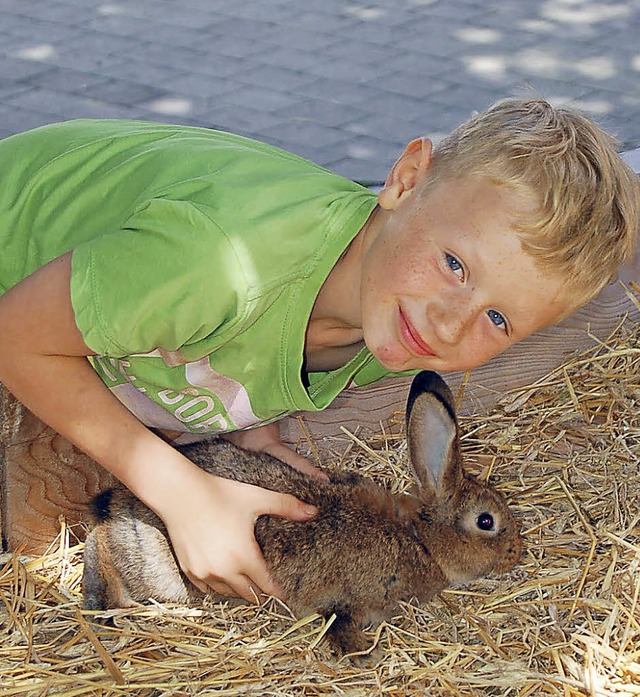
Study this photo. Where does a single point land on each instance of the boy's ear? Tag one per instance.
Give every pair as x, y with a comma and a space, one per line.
406, 174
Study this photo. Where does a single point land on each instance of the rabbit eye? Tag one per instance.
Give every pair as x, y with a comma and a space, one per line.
485, 521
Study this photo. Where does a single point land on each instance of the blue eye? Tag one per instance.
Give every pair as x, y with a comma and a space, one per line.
497, 319
455, 265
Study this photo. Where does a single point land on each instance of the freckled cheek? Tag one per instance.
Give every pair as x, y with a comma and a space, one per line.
392, 357
477, 347
388, 350
416, 275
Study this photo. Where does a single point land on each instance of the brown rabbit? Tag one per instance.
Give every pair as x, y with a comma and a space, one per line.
366, 549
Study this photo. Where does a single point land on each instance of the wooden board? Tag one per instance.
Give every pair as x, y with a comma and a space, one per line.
43, 477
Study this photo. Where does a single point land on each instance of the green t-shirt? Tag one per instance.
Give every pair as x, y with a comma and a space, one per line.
197, 257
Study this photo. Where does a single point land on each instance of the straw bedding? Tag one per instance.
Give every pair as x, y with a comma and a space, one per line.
565, 622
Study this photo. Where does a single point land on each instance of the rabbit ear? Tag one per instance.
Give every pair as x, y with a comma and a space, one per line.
432, 431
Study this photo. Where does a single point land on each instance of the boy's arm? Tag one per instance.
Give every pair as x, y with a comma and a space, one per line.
43, 363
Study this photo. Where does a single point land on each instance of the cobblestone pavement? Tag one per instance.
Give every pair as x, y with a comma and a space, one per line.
343, 82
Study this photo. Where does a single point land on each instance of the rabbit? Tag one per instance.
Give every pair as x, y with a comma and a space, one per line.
365, 551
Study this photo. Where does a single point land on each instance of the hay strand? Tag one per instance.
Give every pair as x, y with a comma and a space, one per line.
565, 622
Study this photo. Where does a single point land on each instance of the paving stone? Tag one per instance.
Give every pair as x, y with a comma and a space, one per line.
140, 71
323, 154
100, 43
288, 57
124, 92
173, 58
387, 129
9, 88
341, 91
13, 119
361, 51
64, 106
144, 30
273, 77
25, 32
175, 107
345, 84
41, 11
252, 95
400, 107
259, 9
67, 80
194, 86
335, 68
163, 11
303, 132
225, 43
68, 57
317, 113
303, 39
252, 122
19, 70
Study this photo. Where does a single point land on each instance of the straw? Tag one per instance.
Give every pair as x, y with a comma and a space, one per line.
565, 621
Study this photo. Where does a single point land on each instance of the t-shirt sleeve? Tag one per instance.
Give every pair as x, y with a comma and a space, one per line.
168, 278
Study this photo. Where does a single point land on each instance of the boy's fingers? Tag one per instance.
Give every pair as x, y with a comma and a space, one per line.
259, 580
267, 439
211, 585
241, 587
287, 506
200, 585
297, 461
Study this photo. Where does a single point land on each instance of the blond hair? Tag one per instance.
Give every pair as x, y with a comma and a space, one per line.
588, 198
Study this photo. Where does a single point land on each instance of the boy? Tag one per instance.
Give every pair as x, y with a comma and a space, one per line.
217, 284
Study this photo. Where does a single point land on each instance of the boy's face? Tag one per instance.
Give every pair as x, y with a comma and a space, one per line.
445, 282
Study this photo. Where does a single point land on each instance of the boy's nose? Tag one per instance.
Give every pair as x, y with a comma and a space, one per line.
451, 323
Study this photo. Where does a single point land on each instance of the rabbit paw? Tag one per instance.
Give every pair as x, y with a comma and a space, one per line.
346, 636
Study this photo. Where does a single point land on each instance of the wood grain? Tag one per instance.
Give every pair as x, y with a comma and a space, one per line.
44, 477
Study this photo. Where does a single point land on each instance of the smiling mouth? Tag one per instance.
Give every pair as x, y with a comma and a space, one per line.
412, 339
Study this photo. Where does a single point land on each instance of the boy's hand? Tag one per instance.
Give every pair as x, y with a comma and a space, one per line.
267, 439
211, 525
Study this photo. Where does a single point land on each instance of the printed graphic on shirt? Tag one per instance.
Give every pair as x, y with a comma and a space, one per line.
189, 397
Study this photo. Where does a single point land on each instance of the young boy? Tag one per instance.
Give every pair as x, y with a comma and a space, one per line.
217, 284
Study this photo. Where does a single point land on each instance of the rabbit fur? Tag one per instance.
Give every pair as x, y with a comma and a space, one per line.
365, 550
